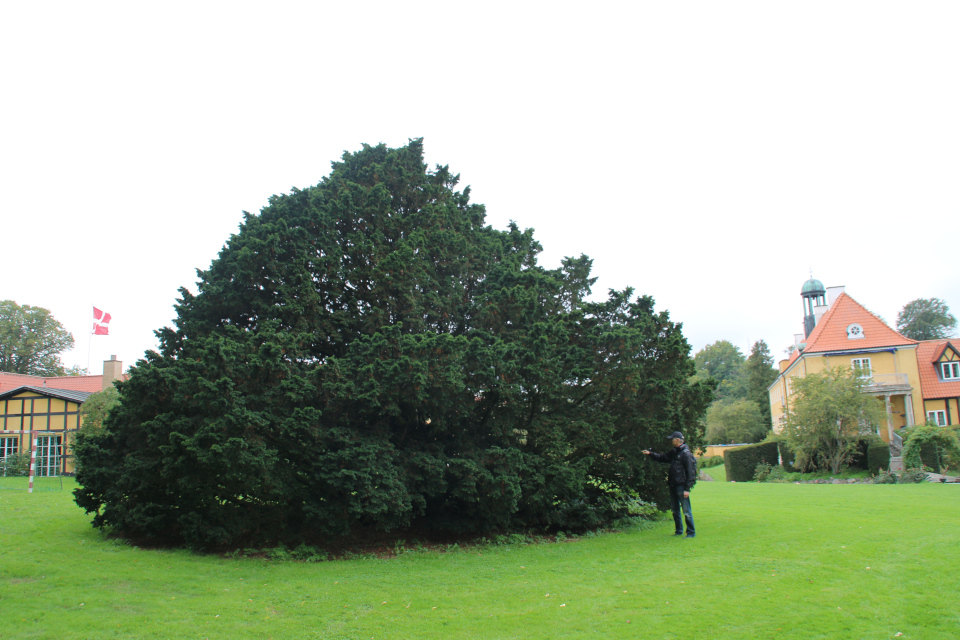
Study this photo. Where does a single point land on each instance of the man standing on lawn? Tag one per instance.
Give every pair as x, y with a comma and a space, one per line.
683, 475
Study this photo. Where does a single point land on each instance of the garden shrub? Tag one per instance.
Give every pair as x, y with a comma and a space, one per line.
931, 446
15, 464
913, 476
710, 461
766, 472
885, 477
742, 462
861, 457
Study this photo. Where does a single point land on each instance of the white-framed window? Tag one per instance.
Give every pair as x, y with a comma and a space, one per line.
950, 370
49, 452
9, 446
938, 417
862, 366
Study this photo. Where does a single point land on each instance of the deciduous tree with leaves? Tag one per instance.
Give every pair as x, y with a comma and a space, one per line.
723, 362
827, 415
369, 353
735, 421
926, 319
31, 340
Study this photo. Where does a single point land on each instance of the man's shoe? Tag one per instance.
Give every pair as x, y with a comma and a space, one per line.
690, 535
678, 533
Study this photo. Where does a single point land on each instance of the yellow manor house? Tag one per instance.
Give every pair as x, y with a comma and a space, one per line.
47, 409
917, 380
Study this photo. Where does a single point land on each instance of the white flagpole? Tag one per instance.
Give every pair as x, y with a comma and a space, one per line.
89, 343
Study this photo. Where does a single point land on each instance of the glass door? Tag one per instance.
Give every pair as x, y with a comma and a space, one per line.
49, 454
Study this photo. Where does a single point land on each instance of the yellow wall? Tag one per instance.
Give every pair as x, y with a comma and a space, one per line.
718, 449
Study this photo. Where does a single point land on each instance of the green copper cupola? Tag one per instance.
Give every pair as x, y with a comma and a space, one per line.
814, 295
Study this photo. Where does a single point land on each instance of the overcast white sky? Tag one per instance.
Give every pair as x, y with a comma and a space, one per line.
709, 154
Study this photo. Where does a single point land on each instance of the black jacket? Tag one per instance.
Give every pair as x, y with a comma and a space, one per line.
683, 466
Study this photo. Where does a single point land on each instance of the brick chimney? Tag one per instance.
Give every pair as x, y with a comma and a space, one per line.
112, 370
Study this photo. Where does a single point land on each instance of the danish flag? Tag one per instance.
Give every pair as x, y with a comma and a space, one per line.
100, 321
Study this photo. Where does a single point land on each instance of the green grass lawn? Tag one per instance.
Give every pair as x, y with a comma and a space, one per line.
718, 473
770, 561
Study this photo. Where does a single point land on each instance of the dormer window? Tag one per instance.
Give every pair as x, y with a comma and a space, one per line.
950, 370
855, 332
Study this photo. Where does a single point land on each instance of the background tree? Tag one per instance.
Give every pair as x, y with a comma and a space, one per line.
93, 412
31, 340
735, 421
367, 352
95, 408
723, 362
741, 382
827, 415
760, 374
926, 319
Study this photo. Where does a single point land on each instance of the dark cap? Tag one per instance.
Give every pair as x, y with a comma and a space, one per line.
675, 434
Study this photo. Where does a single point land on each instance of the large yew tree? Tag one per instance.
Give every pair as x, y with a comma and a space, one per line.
367, 352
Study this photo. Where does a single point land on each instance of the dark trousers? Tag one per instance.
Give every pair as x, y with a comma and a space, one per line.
678, 502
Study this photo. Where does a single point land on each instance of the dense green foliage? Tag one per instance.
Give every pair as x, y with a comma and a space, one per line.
931, 446
735, 421
827, 417
926, 319
94, 409
31, 341
741, 463
15, 464
366, 352
723, 362
741, 410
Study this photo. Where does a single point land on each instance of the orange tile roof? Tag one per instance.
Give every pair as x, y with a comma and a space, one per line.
793, 358
10, 381
931, 386
830, 334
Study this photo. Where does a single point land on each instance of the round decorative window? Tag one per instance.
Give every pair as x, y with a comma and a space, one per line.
855, 332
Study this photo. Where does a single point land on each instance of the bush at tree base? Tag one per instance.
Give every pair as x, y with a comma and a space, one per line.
742, 462
15, 464
366, 352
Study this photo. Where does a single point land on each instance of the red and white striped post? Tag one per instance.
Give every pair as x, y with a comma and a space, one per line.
33, 461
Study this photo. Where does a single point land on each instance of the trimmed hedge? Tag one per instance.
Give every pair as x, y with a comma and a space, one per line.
878, 457
929, 457
861, 458
742, 462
